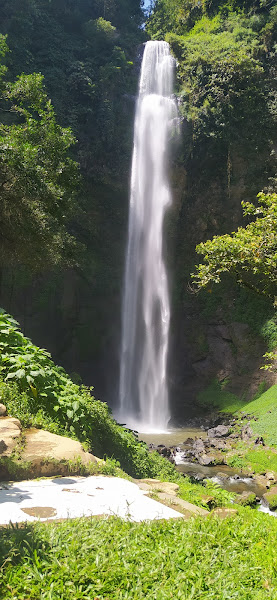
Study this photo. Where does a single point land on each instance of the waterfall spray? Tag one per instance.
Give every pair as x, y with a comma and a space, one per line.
143, 394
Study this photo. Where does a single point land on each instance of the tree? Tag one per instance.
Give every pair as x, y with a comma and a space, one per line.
37, 177
250, 253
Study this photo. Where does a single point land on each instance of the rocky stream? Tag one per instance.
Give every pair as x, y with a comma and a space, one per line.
203, 449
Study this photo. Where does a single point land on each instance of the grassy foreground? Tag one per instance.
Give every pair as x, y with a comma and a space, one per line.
109, 559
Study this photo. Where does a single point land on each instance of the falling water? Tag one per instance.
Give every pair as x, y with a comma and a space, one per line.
146, 309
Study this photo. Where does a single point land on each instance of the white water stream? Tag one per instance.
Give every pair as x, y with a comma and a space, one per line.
143, 394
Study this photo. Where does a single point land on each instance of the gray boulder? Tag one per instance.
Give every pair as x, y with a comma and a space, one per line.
219, 431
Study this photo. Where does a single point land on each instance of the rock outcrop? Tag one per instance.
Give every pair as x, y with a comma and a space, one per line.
10, 433
37, 452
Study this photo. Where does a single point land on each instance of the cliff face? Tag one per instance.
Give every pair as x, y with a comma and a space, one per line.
220, 333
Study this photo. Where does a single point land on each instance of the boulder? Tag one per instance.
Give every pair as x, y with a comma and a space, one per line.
219, 444
219, 431
246, 499
246, 433
270, 498
48, 453
3, 410
206, 459
198, 446
168, 453
260, 440
270, 476
188, 442
10, 432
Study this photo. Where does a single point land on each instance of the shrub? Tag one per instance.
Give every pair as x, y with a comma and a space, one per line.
41, 394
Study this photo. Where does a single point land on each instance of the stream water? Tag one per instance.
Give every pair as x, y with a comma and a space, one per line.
143, 394
229, 478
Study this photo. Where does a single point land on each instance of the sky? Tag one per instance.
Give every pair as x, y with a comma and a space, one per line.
146, 3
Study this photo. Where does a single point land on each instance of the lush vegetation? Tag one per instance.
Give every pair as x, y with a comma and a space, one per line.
249, 253
85, 51
197, 559
226, 56
42, 395
260, 414
37, 177
226, 68
264, 409
216, 397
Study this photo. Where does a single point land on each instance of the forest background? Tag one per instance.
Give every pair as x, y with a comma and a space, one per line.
66, 144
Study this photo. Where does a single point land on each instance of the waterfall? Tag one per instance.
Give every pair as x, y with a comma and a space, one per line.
143, 394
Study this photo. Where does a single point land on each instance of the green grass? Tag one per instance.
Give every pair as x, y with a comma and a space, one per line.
257, 460
89, 559
261, 460
215, 396
264, 408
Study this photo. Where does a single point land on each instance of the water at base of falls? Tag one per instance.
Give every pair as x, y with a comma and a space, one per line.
143, 394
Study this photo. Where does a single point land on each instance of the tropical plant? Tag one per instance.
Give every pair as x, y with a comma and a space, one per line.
250, 253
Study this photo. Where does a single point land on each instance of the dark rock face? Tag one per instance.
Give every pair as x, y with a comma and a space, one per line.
260, 440
168, 453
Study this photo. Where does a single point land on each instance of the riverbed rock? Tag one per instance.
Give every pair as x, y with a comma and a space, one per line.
206, 459
198, 446
3, 410
246, 433
219, 431
270, 498
246, 499
188, 442
271, 477
10, 432
219, 444
222, 475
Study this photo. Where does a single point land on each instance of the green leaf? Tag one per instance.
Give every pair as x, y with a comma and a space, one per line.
20, 373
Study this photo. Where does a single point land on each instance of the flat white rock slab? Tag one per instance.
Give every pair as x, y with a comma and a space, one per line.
71, 497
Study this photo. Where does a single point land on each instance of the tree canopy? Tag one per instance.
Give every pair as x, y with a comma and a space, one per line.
226, 53
85, 50
37, 176
250, 253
